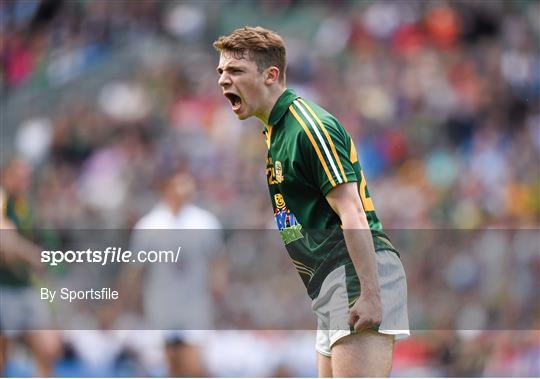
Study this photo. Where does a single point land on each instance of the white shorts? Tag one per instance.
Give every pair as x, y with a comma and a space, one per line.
332, 305
22, 310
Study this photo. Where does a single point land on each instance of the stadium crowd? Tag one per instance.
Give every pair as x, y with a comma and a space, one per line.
441, 98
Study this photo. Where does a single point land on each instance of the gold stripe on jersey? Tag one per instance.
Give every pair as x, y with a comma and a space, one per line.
268, 135
302, 265
301, 271
332, 146
321, 140
366, 200
353, 155
315, 146
351, 303
384, 239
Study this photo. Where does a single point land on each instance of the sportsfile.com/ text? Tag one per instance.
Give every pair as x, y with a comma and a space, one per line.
109, 255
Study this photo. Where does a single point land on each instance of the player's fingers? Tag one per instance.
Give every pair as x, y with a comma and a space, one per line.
353, 317
361, 324
372, 321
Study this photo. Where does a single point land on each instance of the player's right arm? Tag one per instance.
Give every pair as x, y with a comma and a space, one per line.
131, 274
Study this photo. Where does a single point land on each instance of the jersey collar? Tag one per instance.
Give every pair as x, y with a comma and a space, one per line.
281, 106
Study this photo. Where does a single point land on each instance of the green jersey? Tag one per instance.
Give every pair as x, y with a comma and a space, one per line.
309, 153
18, 211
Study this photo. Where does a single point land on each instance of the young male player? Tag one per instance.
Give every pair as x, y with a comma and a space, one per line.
322, 208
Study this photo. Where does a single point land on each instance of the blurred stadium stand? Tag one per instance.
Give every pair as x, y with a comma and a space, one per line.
446, 94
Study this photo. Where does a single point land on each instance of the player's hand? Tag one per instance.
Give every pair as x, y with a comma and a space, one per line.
366, 313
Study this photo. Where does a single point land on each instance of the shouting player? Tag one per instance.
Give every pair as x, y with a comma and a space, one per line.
323, 210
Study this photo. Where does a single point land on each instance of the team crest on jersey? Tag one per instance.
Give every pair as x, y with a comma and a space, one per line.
288, 225
279, 171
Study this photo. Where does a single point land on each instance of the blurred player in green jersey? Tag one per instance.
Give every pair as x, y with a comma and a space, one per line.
22, 312
323, 210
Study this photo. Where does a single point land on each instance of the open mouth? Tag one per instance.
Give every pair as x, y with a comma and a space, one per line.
235, 100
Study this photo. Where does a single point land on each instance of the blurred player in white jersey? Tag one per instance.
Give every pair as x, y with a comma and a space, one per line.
177, 297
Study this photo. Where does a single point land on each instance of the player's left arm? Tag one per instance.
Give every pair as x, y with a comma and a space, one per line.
345, 201
328, 155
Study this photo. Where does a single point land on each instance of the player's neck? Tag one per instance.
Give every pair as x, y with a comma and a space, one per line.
174, 205
271, 100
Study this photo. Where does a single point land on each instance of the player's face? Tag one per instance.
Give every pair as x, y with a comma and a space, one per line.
18, 176
180, 187
242, 84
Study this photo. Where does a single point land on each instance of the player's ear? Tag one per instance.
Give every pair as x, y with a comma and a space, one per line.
271, 75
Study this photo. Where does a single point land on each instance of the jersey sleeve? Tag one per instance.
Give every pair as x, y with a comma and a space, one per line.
327, 152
